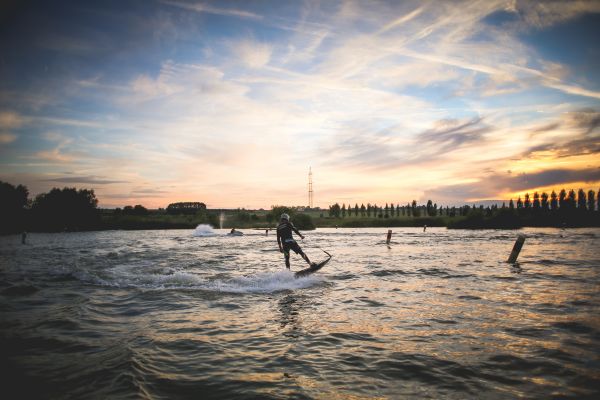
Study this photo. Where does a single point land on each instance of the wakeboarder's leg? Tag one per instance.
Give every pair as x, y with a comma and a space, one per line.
287, 259
305, 257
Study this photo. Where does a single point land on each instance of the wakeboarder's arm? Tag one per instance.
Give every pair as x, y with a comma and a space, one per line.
297, 231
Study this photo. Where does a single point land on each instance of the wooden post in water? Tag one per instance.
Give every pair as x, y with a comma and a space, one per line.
389, 236
516, 249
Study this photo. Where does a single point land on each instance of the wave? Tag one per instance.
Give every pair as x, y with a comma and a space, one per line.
264, 283
145, 277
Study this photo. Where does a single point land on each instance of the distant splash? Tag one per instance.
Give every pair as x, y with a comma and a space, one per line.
203, 230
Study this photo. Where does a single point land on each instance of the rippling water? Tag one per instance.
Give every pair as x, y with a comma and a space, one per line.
200, 314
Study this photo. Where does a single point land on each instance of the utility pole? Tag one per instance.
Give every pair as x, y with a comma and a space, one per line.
310, 188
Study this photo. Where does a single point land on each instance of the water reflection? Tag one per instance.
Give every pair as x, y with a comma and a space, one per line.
289, 308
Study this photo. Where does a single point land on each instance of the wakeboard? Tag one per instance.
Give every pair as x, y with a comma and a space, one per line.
313, 268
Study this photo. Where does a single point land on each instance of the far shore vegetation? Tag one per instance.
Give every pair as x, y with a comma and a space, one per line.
71, 209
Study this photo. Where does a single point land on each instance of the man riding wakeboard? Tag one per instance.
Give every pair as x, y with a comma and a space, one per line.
286, 242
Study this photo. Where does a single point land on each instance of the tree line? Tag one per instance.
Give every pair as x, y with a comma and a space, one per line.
74, 209
57, 210
541, 209
388, 211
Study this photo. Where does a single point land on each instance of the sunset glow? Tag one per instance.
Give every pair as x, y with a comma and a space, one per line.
230, 103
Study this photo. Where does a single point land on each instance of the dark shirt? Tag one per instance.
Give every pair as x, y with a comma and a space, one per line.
284, 231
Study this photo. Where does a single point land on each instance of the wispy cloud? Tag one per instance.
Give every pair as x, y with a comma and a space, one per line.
85, 179
9, 120
252, 53
450, 134
6, 138
536, 14
498, 184
205, 7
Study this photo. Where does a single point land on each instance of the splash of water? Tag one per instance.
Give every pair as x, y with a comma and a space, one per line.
203, 230
268, 282
221, 219
145, 277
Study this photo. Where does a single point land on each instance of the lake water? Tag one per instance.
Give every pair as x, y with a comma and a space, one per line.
200, 314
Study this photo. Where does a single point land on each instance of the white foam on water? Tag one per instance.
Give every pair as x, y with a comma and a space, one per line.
145, 276
264, 283
203, 230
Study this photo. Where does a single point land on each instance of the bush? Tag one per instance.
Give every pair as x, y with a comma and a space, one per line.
304, 222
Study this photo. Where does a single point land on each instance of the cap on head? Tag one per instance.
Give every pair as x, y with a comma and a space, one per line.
285, 216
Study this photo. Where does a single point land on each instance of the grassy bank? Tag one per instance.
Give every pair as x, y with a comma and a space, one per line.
263, 219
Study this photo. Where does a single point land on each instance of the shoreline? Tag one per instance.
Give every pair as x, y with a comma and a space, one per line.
147, 223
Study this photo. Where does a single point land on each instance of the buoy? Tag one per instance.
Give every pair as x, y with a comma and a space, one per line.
516, 249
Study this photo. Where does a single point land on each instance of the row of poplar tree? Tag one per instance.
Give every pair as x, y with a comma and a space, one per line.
564, 200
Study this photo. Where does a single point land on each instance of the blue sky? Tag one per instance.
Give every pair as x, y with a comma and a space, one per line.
230, 103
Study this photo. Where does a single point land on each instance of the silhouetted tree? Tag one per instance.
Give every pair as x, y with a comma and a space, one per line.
562, 196
356, 209
527, 202
13, 201
66, 209
553, 201
511, 205
581, 200
519, 203
571, 199
544, 203
591, 200
344, 210
276, 210
188, 208
335, 210
536, 200
415, 210
139, 209
363, 210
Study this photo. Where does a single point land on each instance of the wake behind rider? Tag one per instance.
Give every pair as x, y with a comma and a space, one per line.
286, 242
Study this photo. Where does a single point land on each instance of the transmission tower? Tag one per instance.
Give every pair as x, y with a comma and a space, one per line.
310, 188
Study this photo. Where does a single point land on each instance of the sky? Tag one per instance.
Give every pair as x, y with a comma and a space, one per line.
231, 102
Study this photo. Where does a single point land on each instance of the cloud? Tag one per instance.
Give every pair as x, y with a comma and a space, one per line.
10, 120
6, 138
495, 184
151, 192
541, 14
400, 21
85, 179
576, 133
588, 120
54, 155
209, 9
251, 53
406, 94
450, 134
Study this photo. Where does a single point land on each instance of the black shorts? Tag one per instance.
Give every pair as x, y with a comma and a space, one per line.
292, 245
